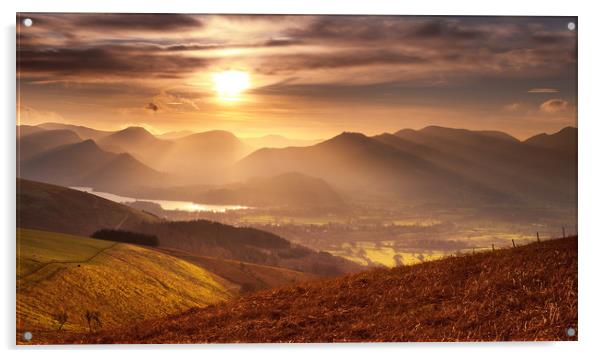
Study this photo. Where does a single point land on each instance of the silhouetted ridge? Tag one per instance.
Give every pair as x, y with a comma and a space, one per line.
40, 141
564, 140
136, 132
346, 138
83, 132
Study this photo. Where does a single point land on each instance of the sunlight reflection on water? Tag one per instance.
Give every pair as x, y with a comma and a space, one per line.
165, 204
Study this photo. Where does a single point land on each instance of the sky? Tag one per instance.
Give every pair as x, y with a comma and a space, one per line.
306, 77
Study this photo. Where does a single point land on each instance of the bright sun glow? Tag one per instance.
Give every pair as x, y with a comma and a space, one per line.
230, 84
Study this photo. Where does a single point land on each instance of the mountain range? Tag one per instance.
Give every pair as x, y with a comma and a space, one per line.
434, 164
86, 164
431, 165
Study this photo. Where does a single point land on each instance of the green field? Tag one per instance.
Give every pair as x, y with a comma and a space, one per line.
125, 283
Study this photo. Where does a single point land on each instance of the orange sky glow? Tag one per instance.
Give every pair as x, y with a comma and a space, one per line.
305, 77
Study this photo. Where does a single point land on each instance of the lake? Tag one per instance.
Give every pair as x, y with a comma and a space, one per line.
165, 204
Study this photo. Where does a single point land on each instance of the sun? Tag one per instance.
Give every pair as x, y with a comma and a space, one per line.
230, 84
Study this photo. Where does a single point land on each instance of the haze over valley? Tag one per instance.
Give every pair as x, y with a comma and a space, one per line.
188, 178
388, 199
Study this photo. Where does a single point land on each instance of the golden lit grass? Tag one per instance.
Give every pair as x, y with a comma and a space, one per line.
37, 248
125, 283
366, 253
527, 293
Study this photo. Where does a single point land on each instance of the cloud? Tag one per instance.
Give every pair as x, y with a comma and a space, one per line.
511, 107
174, 101
282, 41
340, 59
386, 28
443, 29
153, 107
107, 62
152, 22
66, 23
543, 90
126, 46
554, 105
549, 38
273, 42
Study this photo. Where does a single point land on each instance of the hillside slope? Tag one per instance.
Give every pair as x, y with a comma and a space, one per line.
288, 189
24, 130
86, 164
208, 238
563, 141
203, 155
54, 208
245, 277
125, 283
138, 142
83, 132
527, 293
528, 172
362, 165
43, 140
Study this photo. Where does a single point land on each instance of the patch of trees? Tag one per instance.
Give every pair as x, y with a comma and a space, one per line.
126, 236
217, 234
294, 253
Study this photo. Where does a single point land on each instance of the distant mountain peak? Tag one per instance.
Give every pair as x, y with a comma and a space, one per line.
88, 143
440, 129
137, 131
219, 132
568, 129
564, 140
348, 137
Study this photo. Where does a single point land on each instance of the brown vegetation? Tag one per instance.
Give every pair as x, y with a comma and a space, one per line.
526, 293
246, 277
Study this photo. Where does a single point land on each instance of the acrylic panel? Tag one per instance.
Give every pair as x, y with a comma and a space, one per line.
197, 178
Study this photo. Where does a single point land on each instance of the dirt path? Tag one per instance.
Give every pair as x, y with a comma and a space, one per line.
122, 221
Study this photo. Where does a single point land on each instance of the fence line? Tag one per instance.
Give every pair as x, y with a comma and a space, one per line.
515, 245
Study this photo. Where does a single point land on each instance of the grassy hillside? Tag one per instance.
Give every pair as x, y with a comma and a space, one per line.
246, 277
125, 283
527, 293
54, 208
208, 238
